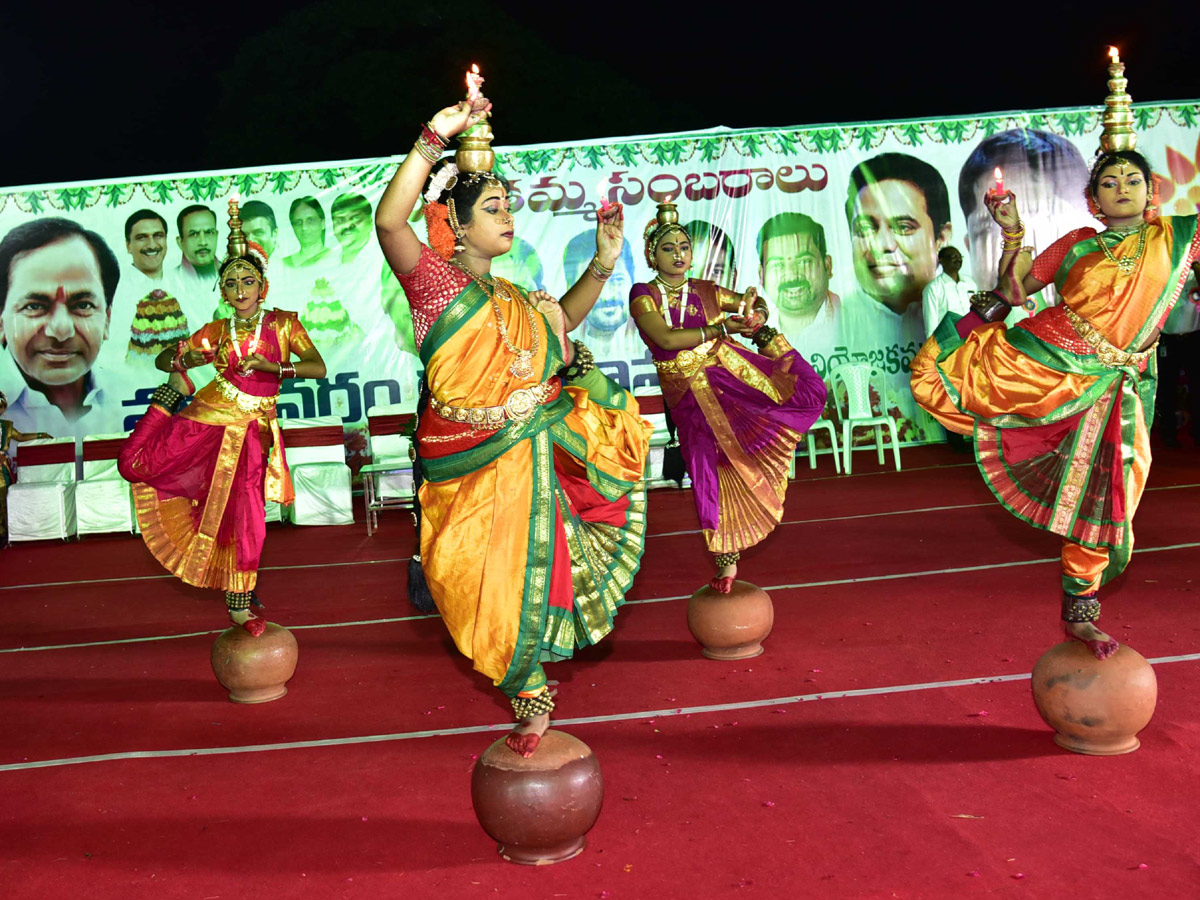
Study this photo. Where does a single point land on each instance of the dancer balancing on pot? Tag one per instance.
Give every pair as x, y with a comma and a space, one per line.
201, 476
739, 413
1061, 404
533, 500
9, 434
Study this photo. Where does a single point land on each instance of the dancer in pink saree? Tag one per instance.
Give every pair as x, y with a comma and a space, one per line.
201, 476
739, 413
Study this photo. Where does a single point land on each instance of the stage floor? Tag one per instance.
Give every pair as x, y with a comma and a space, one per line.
885, 745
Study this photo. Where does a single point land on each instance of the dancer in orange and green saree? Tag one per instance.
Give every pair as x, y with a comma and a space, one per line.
532, 507
1061, 404
201, 476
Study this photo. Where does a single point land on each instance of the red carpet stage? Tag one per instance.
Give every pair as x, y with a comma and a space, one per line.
885, 745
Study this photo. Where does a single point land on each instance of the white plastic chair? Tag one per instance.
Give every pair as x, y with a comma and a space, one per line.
316, 455
824, 425
858, 379
388, 479
103, 499
41, 505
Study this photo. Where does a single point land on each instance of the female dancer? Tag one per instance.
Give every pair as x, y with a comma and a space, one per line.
1061, 405
533, 505
7, 473
201, 476
739, 413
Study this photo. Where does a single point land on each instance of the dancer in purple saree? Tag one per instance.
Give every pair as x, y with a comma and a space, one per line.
739, 413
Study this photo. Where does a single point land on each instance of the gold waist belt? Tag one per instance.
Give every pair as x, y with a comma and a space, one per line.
688, 362
519, 407
1108, 353
248, 403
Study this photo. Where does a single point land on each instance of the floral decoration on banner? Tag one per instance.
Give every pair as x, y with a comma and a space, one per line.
1178, 195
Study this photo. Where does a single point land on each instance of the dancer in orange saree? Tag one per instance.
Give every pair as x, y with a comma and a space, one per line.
201, 476
533, 501
1061, 404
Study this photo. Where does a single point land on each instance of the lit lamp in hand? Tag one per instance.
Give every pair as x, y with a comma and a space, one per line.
474, 152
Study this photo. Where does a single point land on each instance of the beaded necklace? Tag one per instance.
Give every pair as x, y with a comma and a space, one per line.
522, 366
235, 323
1126, 264
673, 292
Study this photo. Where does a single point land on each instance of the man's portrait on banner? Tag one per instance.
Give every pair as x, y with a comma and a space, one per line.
795, 268
58, 282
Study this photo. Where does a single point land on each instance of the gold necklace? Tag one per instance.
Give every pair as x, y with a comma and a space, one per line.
671, 292
1126, 264
522, 366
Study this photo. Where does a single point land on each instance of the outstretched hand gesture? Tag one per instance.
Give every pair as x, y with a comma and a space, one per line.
610, 234
1003, 208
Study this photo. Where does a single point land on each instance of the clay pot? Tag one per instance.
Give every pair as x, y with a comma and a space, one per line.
538, 810
1095, 706
733, 625
254, 669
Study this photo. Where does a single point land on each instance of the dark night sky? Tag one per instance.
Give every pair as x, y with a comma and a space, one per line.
155, 89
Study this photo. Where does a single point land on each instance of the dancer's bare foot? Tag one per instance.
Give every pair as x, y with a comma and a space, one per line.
723, 580
256, 625
526, 736
181, 383
1101, 644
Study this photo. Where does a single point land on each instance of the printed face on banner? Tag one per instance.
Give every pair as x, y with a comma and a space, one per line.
352, 226
611, 310
198, 239
795, 274
309, 227
55, 317
262, 232
1045, 172
147, 246
895, 242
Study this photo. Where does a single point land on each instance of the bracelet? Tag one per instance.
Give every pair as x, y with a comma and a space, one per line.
763, 335
286, 370
597, 271
990, 306
428, 133
601, 267
430, 144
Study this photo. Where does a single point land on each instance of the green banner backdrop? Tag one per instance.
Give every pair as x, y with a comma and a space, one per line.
844, 270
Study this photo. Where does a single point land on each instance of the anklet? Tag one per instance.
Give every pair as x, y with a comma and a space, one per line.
528, 707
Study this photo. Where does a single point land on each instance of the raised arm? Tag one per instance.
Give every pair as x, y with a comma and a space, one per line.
400, 243
1014, 282
577, 302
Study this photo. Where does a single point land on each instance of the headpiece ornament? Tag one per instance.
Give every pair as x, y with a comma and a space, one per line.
1117, 135
241, 252
665, 222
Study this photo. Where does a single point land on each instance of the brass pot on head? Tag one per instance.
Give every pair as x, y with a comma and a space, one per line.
474, 153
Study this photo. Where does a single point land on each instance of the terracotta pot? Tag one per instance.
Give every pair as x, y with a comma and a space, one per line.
538, 810
254, 669
733, 625
1095, 706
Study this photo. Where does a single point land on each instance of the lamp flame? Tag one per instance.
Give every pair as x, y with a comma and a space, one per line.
1114, 54
998, 174
474, 80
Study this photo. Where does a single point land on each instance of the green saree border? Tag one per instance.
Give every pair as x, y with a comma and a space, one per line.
523, 673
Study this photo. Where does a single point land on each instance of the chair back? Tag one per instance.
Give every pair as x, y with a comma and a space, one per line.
858, 379
100, 453
318, 439
385, 425
51, 460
